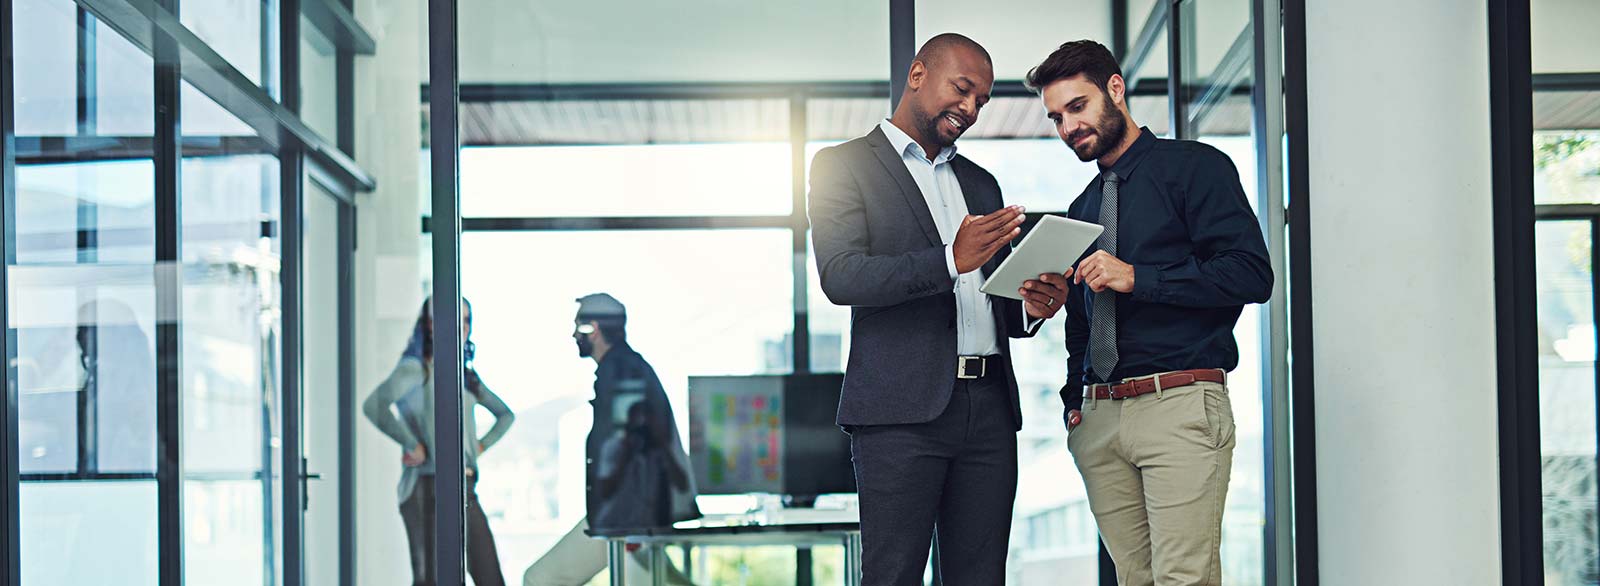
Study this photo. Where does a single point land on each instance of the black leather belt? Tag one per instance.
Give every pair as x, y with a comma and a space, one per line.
975, 367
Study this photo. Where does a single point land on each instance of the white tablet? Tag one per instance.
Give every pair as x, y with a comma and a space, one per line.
1051, 247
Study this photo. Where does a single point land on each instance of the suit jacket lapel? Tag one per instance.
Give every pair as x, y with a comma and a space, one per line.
896, 166
979, 201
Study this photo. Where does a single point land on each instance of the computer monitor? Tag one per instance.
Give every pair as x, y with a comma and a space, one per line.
769, 434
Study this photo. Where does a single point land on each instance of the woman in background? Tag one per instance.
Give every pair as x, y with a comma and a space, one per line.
409, 390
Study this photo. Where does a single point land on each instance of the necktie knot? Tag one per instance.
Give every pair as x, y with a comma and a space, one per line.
1111, 177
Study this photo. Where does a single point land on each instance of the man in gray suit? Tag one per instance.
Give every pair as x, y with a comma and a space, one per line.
906, 231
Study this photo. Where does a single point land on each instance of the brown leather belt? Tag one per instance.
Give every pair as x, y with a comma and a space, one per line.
1147, 385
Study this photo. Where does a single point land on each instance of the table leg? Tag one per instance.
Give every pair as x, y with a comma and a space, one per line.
658, 565
617, 561
852, 559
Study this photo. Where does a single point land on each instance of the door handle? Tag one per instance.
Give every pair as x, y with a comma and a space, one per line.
305, 495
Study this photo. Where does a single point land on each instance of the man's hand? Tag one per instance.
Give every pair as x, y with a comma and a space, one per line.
1043, 297
982, 236
1073, 417
415, 457
1103, 271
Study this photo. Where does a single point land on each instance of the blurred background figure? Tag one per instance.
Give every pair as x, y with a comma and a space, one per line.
409, 391
638, 471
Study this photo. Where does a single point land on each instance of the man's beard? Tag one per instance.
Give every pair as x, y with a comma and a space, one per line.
1109, 132
931, 130
585, 347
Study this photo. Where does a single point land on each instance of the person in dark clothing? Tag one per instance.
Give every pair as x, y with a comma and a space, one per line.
638, 473
907, 233
1150, 324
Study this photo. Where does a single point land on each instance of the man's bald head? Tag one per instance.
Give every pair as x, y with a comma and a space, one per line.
948, 83
934, 52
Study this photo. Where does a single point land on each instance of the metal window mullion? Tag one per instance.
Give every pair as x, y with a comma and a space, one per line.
87, 74
1594, 308
10, 533
798, 229
88, 238
267, 54
345, 95
1267, 95
291, 272
1516, 295
1177, 110
1302, 413
169, 303
446, 453
347, 394
902, 46
1119, 29
292, 391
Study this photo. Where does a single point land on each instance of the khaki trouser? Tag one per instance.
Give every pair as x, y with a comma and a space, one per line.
1156, 468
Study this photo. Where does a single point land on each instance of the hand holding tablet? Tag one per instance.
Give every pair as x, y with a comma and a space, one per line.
1053, 245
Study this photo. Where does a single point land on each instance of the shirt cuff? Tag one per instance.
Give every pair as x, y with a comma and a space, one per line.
1146, 283
1031, 324
950, 261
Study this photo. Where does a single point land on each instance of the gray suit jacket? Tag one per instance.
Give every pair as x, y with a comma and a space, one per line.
879, 252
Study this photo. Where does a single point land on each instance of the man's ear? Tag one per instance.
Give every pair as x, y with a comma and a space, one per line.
1117, 88
918, 74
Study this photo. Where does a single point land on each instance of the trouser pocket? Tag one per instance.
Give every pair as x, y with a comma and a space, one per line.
1218, 412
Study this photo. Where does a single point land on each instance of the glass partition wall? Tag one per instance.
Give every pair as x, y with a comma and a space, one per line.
224, 221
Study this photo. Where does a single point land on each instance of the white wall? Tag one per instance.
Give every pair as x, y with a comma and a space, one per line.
1564, 39
389, 267
1407, 463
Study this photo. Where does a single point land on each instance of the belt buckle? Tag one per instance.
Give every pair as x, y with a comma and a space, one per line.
961, 367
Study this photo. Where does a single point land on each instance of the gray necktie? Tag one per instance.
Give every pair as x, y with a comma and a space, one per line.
1103, 324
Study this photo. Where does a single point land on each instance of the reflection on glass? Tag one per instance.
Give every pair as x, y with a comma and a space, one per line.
636, 470
1567, 422
82, 297
231, 359
86, 371
700, 321
118, 360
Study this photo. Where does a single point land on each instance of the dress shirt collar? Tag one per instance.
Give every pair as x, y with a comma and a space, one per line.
1135, 153
902, 143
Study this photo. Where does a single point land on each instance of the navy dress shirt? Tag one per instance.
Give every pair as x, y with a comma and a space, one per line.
1198, 257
